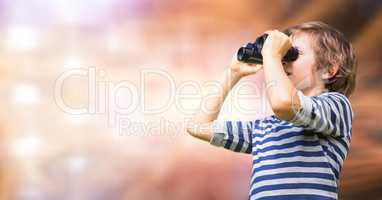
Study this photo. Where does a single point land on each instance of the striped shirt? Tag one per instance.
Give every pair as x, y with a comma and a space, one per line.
297, 159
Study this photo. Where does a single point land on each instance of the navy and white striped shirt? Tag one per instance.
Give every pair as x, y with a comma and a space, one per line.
299, 159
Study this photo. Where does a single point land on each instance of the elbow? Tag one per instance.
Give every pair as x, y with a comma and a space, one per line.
283, 108
191, 130
199, 130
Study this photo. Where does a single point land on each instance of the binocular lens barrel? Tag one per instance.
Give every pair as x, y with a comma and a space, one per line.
248, 55
244, 53
251, 53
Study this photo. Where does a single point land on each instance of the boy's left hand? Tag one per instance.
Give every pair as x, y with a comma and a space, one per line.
276, 45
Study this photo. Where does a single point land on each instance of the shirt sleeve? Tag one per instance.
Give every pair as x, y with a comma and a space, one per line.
232, 135
329, 113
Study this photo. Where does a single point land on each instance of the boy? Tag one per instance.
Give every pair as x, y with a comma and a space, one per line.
299, 151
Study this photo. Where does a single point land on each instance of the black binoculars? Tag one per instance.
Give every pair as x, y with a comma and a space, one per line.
251, 53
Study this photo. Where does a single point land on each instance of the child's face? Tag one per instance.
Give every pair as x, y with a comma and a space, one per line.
303, 71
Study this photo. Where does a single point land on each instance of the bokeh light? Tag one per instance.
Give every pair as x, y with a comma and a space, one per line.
79, 140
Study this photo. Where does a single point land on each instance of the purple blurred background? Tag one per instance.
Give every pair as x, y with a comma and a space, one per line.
95, 95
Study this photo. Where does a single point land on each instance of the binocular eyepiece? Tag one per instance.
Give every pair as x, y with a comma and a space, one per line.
251, 53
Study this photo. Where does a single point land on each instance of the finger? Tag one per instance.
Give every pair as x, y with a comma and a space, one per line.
251, 69
234, 58
269, 32
281, 34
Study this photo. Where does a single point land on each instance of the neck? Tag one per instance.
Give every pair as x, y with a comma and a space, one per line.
315, 90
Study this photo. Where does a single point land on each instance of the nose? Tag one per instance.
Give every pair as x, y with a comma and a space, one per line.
287, 66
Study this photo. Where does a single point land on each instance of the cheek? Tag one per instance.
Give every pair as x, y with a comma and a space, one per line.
303, 66
303, 76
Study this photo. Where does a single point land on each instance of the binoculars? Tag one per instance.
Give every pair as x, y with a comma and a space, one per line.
251, 53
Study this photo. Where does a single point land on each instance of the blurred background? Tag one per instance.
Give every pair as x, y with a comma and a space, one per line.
95, 94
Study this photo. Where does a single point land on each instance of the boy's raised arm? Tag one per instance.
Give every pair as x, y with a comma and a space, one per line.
281, 92
201, 123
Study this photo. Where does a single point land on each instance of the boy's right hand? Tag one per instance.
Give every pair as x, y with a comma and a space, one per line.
242, 69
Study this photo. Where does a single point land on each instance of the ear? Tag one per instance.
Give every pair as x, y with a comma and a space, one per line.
330, 72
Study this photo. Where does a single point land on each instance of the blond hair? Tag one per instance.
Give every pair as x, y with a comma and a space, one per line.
331, 49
